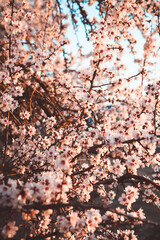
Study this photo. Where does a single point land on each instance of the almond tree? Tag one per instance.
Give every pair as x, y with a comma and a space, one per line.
77, 142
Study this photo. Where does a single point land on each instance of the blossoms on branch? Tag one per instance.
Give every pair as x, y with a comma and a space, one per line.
78, 137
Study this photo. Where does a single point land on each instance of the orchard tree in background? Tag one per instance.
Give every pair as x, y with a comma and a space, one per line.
77, 142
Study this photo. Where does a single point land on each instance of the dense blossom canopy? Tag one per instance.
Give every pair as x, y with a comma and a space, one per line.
79, 143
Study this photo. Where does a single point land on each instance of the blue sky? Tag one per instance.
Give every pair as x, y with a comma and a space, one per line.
87, 47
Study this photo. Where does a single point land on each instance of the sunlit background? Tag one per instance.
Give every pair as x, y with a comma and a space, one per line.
78, 41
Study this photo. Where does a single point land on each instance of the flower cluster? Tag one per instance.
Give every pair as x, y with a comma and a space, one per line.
129, 197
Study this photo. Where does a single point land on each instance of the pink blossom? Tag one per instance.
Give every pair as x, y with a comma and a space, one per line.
9, 230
